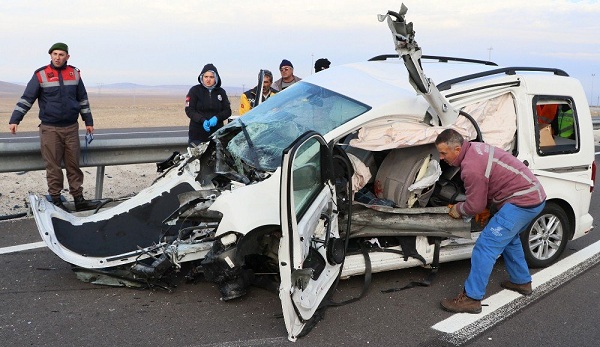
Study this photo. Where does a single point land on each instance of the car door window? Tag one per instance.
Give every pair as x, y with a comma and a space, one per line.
306, 175
557, 125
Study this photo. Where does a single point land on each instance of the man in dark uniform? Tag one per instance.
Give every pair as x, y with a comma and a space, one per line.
61, 97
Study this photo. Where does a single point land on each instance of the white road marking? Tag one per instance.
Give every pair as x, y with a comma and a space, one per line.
462, 327
254, 342
23, 247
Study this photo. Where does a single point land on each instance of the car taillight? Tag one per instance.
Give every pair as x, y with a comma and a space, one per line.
593, 176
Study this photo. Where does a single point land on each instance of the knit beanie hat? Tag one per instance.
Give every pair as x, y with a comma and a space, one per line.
60, 46
286, 62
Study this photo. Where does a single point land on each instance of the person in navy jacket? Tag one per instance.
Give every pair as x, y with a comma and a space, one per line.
206, 105
62, 98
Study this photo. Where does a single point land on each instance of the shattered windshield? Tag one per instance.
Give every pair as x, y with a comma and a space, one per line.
272, 126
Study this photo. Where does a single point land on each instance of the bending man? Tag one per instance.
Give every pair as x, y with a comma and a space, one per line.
493, 178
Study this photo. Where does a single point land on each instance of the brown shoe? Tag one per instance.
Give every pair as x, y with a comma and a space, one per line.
524, 289
462, 304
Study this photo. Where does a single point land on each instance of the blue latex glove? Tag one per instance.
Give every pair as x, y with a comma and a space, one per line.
206, 126
213, 121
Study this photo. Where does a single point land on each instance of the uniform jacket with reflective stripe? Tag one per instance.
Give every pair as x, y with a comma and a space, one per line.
248, 99
493, 176
61, 97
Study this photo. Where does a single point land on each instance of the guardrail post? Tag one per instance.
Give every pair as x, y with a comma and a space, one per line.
99, 181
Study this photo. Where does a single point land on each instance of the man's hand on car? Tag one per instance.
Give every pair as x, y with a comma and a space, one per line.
453, 212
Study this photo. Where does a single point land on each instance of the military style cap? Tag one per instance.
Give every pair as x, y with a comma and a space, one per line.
60, 46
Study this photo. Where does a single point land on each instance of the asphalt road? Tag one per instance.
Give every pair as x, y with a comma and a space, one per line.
43, 304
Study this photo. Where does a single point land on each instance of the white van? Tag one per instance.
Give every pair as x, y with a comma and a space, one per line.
337, 176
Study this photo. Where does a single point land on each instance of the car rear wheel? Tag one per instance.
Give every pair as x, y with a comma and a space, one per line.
546, 237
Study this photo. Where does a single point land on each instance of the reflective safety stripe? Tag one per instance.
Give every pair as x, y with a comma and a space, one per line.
20, 109
49, 84
25, 103
488, 168
534, 186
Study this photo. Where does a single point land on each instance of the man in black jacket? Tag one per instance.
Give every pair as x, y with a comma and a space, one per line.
61, 97
206, 105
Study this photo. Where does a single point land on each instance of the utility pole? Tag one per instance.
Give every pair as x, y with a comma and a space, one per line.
592, 92
490, 53
312, 62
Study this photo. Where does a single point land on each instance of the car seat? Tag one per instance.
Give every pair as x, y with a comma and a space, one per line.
399, 170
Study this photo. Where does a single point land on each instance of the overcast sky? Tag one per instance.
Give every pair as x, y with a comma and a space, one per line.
167, 42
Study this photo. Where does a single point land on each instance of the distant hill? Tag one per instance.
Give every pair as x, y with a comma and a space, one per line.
11, 88
131, 88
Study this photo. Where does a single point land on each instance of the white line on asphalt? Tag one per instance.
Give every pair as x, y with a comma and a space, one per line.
462, 327
23, 247
247, 343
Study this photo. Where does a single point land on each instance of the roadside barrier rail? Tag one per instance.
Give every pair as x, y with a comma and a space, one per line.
18, 156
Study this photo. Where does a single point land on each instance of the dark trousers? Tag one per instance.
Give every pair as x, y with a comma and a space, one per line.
58, 145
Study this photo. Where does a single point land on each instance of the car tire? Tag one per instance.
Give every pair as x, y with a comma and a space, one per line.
545, 238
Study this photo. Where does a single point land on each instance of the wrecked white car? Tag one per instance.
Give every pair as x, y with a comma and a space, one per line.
337, 176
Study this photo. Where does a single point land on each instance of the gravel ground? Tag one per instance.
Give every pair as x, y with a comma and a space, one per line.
119, 181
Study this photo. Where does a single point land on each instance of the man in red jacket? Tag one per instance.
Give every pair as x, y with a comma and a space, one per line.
496, 179
62, 97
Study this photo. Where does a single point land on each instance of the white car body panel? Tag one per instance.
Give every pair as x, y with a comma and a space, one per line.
299, 237
44, 213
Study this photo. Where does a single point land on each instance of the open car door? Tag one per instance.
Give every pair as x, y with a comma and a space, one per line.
309, 224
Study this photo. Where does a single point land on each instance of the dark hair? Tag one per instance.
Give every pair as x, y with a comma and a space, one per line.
268, 74
450, 137
322, 64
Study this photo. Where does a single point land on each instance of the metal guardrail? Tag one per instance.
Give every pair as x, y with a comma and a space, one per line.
26, 156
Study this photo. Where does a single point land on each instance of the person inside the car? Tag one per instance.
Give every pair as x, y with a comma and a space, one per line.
492, 177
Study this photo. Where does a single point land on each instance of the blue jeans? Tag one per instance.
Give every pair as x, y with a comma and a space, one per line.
501, 236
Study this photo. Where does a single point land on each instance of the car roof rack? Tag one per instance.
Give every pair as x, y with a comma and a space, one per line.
505, 70
439, 58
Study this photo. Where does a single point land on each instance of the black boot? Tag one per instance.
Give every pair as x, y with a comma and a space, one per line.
81, 204
57, 201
